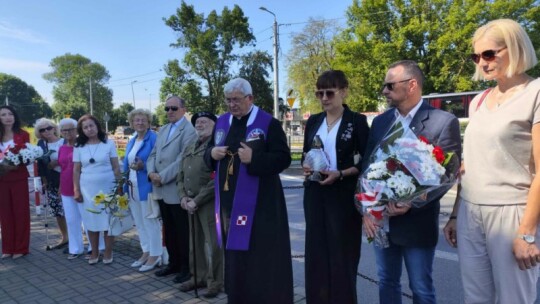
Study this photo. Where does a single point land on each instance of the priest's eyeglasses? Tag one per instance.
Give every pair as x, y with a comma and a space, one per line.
235, 100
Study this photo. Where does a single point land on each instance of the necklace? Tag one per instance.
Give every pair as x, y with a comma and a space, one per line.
92, 160
329, 126
502, 97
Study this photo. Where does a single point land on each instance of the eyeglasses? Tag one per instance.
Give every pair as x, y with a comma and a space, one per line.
329, 93
174, 109
235, 100
488, 55
45, 129
390, 85
67, 130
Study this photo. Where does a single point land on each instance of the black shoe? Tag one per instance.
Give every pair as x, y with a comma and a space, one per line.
189, 285
165, 272
211, 293
182, 277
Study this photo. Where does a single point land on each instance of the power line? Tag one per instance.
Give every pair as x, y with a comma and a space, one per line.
128, 84
131, 77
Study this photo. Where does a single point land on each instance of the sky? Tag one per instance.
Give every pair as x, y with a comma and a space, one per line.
131, 39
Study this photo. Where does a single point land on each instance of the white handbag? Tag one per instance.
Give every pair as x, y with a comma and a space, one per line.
153, 207
119, 225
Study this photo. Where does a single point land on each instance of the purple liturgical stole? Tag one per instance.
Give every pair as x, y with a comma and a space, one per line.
247, 186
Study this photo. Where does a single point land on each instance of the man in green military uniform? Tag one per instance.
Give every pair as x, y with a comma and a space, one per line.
196, 187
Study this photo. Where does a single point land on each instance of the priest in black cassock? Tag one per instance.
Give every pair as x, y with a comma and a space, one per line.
248, 151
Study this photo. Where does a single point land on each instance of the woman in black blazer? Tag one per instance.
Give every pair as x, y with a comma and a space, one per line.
333, 226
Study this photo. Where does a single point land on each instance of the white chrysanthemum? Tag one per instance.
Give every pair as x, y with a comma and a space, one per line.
377, 170
402, 184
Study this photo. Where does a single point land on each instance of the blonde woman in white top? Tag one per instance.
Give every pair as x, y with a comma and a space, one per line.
495, 219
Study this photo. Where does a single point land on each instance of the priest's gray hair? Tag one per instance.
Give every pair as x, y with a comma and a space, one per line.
238, 85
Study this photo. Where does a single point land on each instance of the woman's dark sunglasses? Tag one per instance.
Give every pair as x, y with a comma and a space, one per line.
488, 55
329, 94
174, 109
45, 129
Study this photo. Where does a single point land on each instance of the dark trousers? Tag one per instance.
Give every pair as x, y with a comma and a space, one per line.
176, 227
333, 238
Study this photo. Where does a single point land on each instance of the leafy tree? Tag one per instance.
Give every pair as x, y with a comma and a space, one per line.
312, 52
24, 98
209, 43
178, 82
161, 115
119, 116
71, 75
435, 33
254, 68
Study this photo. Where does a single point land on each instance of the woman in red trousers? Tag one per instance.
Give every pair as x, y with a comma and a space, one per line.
14, 198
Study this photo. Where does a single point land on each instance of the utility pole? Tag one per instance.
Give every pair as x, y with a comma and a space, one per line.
7, 101
149, 100
91, 101
276, 69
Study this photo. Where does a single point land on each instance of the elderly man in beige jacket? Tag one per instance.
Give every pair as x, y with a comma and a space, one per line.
162, 166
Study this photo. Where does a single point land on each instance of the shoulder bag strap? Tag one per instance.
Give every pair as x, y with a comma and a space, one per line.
482, 98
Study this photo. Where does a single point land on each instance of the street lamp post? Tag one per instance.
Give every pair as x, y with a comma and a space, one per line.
149, 100
276, 72
133, 93
91, 99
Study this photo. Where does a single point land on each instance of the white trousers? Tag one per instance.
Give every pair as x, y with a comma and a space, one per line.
149, 229
72, 212
489, 271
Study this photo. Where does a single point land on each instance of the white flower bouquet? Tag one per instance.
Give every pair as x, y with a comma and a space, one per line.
404, 168
22, 155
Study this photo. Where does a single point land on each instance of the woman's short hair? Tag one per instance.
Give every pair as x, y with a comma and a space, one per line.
142, 112
67, 122
82, 139
238, 85
507, 32
332, 79
44, 123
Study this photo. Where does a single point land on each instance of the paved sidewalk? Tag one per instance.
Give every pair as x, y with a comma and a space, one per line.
48, 277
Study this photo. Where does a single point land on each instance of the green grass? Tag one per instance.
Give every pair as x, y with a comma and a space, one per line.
462, 126
296, 155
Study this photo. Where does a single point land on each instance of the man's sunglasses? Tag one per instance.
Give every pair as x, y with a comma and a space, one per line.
488, 55
45, 129
390, 85
174, 109
329, 93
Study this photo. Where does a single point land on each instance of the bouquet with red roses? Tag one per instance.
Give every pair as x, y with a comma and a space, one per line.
404, 169
22, 154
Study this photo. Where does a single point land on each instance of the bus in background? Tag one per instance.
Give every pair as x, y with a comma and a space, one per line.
455, 103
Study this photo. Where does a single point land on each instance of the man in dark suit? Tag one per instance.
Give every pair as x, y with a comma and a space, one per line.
163, 165
413, 232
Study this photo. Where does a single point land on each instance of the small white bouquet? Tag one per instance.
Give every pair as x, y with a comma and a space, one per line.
22, 155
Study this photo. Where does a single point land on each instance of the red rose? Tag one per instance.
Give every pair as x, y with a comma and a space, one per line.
213, 175
392, 165
15, 149
438, 153
377, 214
423, 139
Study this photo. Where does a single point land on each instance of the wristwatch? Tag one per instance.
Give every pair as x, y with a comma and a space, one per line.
529, 238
